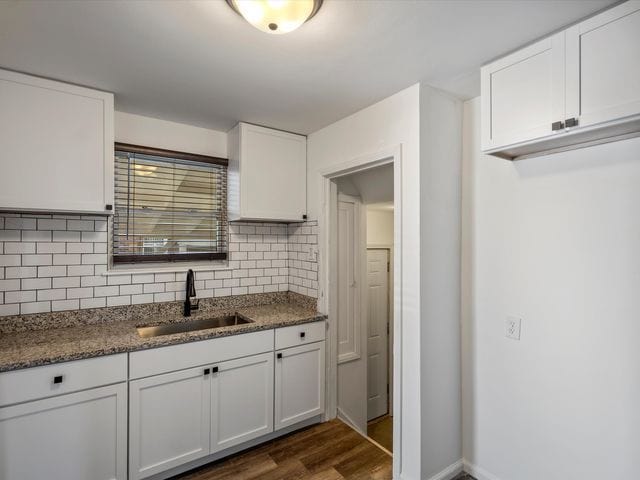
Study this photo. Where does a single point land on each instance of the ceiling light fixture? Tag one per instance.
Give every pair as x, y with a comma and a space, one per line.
276, 16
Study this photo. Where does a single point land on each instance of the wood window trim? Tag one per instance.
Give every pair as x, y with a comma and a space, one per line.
159, 152
171, 257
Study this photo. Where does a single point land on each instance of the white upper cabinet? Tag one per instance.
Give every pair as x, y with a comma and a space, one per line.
578, 87
57, 146
523, 94
267, 174
603, 66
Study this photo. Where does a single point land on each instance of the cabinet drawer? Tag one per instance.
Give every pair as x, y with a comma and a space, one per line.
40, 382
299, 334
146, 363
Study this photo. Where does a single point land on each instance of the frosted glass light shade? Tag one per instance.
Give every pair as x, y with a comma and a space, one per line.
276, 16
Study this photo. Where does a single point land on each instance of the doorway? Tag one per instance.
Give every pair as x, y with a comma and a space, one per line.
362, 216
328, 276
380, 239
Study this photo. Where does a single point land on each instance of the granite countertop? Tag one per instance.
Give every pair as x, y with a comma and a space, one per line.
43, 347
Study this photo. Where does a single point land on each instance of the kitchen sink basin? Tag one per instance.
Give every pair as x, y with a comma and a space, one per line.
191, 325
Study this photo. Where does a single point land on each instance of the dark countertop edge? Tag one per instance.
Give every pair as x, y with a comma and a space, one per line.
209, 335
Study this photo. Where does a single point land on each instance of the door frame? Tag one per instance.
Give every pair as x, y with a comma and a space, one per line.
328, 278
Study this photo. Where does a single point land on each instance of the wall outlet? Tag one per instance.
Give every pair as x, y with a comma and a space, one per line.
512, 327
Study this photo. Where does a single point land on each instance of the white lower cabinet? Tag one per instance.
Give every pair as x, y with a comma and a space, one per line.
68, 421
76, 436
168, 421
178, 417
299, 383
241, 400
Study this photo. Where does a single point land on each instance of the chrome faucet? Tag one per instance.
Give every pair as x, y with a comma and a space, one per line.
190, 293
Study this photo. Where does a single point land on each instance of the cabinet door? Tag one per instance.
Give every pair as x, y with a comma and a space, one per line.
523, 94
272, 174
168, 421
241, 400
77, 436
603, 66
299, 384
57, 146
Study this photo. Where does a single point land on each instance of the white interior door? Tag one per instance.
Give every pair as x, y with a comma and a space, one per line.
352, 360
377, 332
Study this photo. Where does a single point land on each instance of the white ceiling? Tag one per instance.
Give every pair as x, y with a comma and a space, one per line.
373, 186
198, 62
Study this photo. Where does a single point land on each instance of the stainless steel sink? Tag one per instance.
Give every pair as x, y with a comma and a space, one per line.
191, 325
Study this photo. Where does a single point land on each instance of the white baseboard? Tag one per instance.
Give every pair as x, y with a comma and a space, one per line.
450, 472
478, 472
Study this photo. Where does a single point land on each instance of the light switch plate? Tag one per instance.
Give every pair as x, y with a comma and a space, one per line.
512, 327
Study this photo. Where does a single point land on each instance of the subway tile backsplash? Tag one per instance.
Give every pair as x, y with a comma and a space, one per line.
57, 262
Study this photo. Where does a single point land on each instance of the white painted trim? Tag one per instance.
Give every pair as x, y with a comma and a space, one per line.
450, 472
327, 223
182, 267
478, 472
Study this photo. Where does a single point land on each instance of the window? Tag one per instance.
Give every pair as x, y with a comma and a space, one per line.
169, 206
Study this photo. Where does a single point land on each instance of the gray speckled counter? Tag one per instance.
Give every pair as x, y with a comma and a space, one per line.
33, 348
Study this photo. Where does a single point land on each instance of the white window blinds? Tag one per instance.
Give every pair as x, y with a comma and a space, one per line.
169, 206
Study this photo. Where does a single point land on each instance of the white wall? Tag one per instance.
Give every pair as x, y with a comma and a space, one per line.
440, 204
427, 125
153, 132
392, 122
379, 227
553, 240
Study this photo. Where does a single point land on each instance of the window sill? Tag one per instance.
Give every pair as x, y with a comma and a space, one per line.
164, 268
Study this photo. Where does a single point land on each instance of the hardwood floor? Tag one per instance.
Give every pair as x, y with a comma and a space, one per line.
328, 451
381, 430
